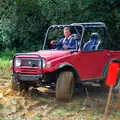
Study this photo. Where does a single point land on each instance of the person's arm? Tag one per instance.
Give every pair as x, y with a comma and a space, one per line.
59, 44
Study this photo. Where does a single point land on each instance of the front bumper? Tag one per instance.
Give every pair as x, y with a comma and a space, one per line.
28, 77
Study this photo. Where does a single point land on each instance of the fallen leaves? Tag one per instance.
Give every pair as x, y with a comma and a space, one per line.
10, 102
42, 104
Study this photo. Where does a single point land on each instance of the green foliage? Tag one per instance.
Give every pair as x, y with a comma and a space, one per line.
7, 22
23, 22
7, 55
30, 25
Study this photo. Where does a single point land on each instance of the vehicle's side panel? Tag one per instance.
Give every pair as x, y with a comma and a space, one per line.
88, 64
114, 54
91, 64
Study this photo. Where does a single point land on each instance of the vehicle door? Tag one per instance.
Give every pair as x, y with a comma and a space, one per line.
93, 56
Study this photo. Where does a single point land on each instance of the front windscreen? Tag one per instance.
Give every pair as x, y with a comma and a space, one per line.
56, 34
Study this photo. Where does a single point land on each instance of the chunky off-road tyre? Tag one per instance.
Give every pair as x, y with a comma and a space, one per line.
16, 85
116, 87
65, 86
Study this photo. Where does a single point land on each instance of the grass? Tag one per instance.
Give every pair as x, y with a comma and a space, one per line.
4, 69
5, 58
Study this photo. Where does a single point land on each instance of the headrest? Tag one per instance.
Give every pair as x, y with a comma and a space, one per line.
75, 36
95, 35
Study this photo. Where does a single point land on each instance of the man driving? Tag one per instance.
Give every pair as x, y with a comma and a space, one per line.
68, 42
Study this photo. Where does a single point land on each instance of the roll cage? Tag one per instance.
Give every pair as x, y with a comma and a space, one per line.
83, 26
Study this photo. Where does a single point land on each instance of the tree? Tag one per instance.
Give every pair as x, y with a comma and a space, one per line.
23, 22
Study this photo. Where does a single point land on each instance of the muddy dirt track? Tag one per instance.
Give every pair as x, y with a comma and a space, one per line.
88, 103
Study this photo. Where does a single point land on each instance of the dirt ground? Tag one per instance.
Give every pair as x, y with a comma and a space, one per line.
88, 103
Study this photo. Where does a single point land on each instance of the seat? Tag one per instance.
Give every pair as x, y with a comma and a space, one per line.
93, 43
77, 38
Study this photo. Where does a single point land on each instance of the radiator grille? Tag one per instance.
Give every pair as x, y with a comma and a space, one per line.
30, 62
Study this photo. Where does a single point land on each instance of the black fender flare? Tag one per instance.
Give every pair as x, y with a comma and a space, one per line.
70, 67
104, 73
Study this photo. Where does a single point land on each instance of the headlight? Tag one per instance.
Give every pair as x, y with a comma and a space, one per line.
42, 63
17, 62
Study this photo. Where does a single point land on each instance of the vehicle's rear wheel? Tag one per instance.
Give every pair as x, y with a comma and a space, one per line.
117, 85
65, 86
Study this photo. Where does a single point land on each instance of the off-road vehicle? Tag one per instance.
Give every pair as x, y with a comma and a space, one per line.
65, 69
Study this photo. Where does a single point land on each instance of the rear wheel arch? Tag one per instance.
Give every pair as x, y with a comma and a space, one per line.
116, 86
104, 73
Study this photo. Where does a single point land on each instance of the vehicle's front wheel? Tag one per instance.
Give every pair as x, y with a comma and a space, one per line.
65, 86
15, 85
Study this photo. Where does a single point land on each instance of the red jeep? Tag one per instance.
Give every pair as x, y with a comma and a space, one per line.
88, 63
